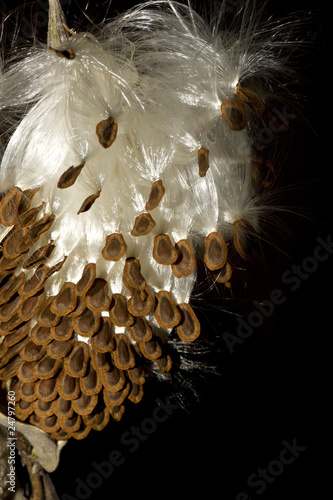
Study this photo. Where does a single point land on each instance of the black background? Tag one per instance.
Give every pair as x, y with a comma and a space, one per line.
275, 386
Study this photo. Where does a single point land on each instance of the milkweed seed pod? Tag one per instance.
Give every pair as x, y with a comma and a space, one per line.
132, 162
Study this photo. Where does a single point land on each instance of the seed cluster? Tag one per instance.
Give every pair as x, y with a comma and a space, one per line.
71, 370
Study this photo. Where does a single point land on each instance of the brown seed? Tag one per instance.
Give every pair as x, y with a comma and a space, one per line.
216, 251
64, 330
16, 336
97, 298
27, 391
16, 243
151, 349
31, 305
251, 98
224, 275
60, 435
63, 408
87, 279
25, 371
136, 393
88, 202
82, 432
132, 274
8, 310
164, 363
143, 225
164, 252
72, 424
203, 161
32, 351
115, 247
186, 261
65, 302
46, 317
113, 380
6, 327
26, 199
234, 114
47, 367
29, 217
49, 424
76, 363
80, 307
24, 409
106, 132
68, 387
67, 54
189, 328
39, 256
104, 339
12, 351
140, 331
9, 205
41, 335
101, 361
46, 389
242, 232
35, 283
156, 194
57, 267
69, 177
119, 312
10, 287
91, 383
263, 172
43, 408
137, 375
40, 227
85, 404
116, 398
141, 302
11, 369
102, 420
88, 323
117, 412
58, 349
11, 264
123, 356
166, 312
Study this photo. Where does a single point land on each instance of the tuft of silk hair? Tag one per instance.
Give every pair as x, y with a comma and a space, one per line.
161, 71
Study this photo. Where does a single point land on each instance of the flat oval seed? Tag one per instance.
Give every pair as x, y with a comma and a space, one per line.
65, 302
189, 328
88, 202
186, 261
156, 194
166, 311
106, 132
69, 177
143, 225
164, 252
115, 247
234, 114
87, 279
216, 251
9, 206
203, 161
250, 97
